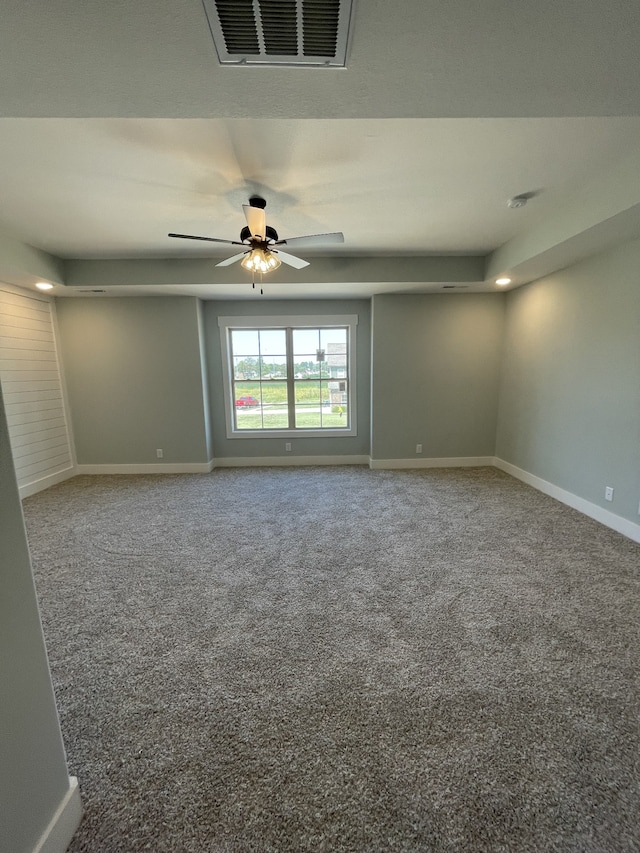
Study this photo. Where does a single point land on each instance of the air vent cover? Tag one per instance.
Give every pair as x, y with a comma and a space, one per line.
281, 32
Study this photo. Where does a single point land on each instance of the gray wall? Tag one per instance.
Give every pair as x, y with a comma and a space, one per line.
570, 396
436, 368
204, 377
33, 772
235, 447
134, 379
561, 355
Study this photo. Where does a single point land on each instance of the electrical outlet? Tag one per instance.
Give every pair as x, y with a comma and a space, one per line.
287, 445
608, 493
159, 453
418, 448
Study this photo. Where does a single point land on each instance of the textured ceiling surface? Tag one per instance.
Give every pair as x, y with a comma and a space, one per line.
116, 187
117, 125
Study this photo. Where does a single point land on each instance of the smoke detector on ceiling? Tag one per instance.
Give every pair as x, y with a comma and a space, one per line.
281, 32
521, 200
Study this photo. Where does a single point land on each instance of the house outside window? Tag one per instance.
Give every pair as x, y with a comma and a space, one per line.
288, 376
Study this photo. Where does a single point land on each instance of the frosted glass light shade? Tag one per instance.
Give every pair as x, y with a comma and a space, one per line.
260, 260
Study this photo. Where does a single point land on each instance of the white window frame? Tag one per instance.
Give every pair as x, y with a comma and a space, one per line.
227, 324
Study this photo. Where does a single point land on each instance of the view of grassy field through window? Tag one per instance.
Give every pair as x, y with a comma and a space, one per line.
272, 366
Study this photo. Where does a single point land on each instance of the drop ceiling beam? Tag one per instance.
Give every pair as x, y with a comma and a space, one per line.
173, 271
601, 213
23, 265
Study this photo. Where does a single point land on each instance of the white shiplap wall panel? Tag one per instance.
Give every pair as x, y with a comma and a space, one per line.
26, 343
25, 374
34, 411
19, 332
23, 313
30, 448
32, 394
34, 385
49, 402
32, 389
31, 429
18, 441
24, 319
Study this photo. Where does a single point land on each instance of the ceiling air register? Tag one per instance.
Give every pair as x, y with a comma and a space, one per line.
280, 32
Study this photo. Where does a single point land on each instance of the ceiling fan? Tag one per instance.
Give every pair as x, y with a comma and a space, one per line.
259, 241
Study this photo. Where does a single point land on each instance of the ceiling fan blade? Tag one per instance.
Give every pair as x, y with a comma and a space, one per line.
291, 260
231, 260
207, 239
312, 240
256, 220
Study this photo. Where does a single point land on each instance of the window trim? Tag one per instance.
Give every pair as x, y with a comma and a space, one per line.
295, 321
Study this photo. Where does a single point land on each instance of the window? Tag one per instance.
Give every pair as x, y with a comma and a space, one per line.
285, 375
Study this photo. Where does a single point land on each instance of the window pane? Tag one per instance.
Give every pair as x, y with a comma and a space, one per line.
274, 394
337, 417
305, 341
245, 342
273, 342
307, 356
325, 395
333, 337
276, 420
306, 367
275, 413
246, 367
337, 367
337, 354
308, 404
273, 367
327, 419
338, 404
247, 389
248, 410
248, 419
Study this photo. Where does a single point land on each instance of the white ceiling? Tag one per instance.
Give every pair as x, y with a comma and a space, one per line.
115, 187
118, 125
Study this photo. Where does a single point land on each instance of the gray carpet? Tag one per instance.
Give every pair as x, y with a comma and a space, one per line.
341, 659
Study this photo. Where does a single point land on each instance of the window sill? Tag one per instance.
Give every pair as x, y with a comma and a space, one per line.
292, 433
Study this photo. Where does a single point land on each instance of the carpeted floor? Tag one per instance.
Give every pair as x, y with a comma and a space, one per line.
339, 659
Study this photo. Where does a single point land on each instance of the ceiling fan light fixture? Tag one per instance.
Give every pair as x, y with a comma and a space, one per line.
258, 241
260, 260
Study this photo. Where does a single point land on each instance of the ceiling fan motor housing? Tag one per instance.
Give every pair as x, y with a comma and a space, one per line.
245, 234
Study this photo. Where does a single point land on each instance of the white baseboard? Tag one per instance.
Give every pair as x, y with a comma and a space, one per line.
609, 519
598, 513
62, 826
149, 468
277, 461
36, 486
434, 462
